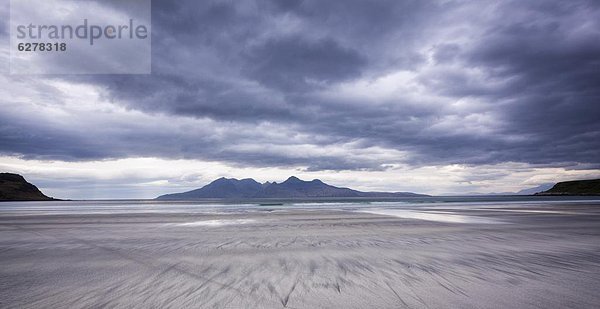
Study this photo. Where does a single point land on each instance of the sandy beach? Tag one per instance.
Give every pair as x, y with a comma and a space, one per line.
538, 256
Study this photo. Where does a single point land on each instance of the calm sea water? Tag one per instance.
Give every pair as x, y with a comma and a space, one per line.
237, 206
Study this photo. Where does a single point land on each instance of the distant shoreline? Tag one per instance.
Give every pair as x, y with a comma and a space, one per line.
424, 200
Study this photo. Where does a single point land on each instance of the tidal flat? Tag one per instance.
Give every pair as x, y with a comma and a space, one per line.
533, 255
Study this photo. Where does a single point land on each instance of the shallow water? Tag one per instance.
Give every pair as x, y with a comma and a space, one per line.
217, 206
448, 217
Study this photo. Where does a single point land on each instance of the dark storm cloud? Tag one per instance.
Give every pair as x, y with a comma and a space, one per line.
196, 96
553, 61
51, 144
526, 75
290, 63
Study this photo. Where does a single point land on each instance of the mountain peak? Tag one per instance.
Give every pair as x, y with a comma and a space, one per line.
293, 178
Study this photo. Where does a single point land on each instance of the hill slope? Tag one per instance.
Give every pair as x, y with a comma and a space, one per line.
220, 188
576, 187
291, 188
14, 187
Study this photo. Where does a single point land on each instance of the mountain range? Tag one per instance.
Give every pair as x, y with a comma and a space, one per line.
527, 191
293, 187
534, 190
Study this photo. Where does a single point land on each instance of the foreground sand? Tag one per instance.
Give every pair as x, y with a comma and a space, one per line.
302, 259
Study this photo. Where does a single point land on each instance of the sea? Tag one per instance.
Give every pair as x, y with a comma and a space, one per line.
430, 203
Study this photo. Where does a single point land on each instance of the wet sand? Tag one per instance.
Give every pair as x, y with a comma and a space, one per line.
533, 257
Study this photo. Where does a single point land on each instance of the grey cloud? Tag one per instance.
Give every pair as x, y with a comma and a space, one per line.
445, 53
553, 60
531, 66
290, 63
196, 97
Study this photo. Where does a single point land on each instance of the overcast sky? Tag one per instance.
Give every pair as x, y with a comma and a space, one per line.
426, 96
